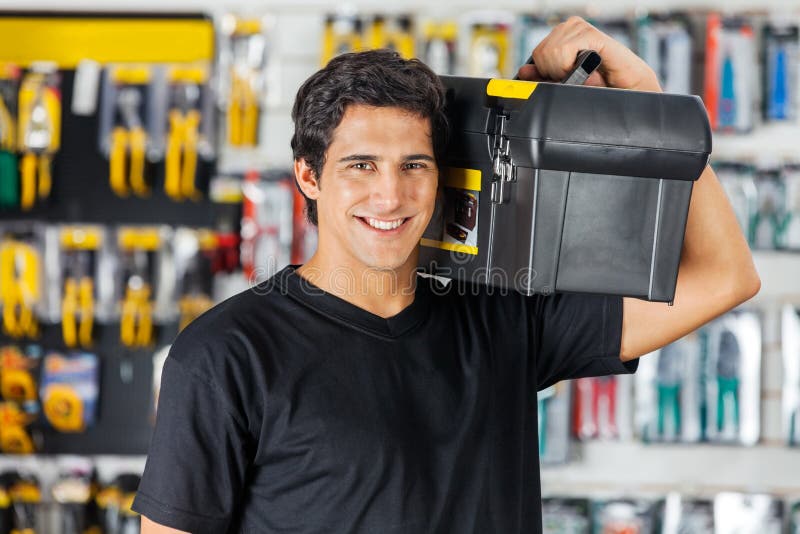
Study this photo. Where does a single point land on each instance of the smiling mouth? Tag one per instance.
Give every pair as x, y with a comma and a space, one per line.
383, 226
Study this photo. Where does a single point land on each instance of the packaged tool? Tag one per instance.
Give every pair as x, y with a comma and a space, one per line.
75, 492
601, 408
342, 33
732, 359
769, 220
669, 393
739, 513
566, 515
739, 182
730, 87
686, 515
39, 135
439, 46
396, 33
18, 372
115, 501
489, 49
14, 435
189, 139
665, 43
564, 198
266, 226
781, 60
80, 248
790, 334
9, 175
142, 276
243, 64
126, 123
623, 516
790, 230
194, 251
21, 277
226, 192
70, 389
554, 423
26, 498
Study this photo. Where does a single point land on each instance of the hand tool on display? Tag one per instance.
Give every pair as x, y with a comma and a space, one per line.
17, 376
115, 501
266, 226
80, 247
342, 34
39, 137
180, 163
136, 318
728, 376
20, 272
670, 379
25, 498
489, 48
439, 47
790, 346
550, 179
781, 45
128, 141
74, 493
69, 390
396, 34
248, 48
542, 398
9, 177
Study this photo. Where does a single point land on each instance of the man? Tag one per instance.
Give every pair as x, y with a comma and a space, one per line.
349, 395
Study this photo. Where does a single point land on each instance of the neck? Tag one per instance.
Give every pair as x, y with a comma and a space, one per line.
383, 292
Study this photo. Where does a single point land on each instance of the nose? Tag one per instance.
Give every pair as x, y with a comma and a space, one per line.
387, 192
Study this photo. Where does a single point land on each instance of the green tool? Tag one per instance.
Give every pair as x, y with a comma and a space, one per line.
670, 378
9, 176
728, 363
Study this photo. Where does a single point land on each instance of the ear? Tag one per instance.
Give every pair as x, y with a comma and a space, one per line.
306, 179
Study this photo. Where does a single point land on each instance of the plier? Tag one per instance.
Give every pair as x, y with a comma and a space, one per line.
19, 288
670, 379
128, 141
39, 138
242, 111
728, 363
597, 399
78, 300
181, 158
136, 321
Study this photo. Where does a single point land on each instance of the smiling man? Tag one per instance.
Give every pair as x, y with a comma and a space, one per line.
350, 395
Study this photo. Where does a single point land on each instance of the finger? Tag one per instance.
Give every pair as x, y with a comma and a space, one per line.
530, 73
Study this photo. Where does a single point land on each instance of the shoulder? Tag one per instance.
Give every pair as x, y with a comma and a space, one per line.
475, 296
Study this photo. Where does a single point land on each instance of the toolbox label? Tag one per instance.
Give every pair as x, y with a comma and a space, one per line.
454, 224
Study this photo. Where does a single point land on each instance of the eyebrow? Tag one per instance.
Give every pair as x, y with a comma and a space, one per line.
371, 157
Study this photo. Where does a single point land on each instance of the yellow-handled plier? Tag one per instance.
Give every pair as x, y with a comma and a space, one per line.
242, 113
37, 140
19, 288
128, 142
78, 301
181, 159
136, 321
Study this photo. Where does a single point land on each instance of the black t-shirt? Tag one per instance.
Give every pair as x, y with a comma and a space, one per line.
286, 409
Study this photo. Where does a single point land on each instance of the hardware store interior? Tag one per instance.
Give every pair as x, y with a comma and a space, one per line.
145, 179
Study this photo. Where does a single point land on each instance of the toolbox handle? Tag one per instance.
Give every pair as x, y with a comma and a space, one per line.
586, 63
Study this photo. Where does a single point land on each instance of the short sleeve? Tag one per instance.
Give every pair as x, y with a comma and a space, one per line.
578, 336
198, 456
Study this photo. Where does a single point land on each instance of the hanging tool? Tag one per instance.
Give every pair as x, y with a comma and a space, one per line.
17, 380
196, 283
70, 390
542, 400
180, 164
19, 288
342, 34
128, 141
25, 498
440, 46
248, 50
40, 125
80, 247
670, 379
728, 376
136, 320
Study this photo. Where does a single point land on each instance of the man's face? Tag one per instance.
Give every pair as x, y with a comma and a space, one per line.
378, 188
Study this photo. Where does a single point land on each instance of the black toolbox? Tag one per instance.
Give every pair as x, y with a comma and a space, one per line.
550, 187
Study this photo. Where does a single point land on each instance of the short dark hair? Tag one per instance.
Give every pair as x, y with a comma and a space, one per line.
380, 78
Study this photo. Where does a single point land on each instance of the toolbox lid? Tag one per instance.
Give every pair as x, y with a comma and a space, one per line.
586, 129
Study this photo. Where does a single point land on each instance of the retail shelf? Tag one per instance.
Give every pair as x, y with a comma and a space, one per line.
780, 275
766, 145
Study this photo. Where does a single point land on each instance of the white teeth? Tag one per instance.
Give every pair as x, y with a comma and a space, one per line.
384, 225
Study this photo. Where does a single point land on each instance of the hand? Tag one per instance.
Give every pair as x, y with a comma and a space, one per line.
554, 58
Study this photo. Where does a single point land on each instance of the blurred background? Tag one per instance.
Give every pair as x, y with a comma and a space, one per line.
145, 175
